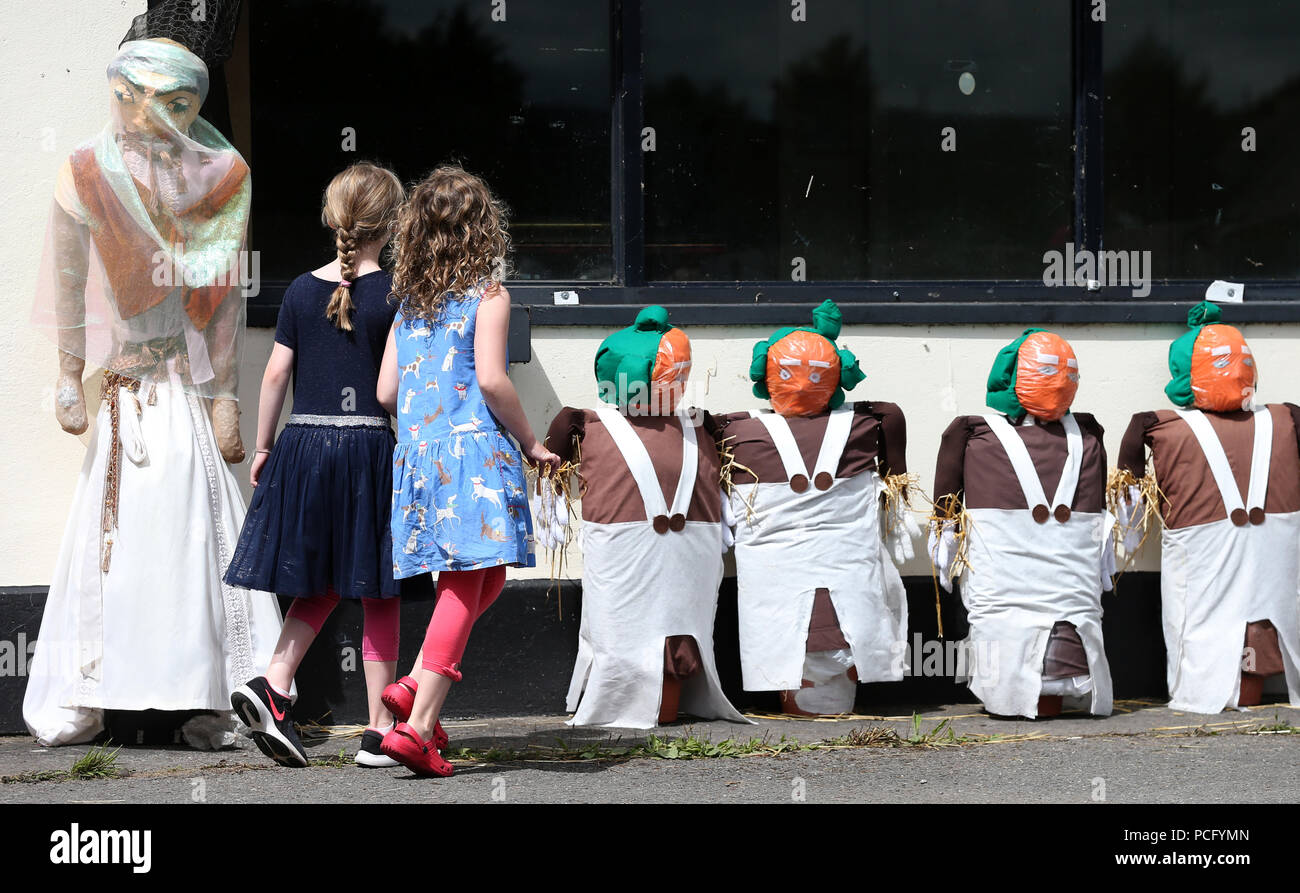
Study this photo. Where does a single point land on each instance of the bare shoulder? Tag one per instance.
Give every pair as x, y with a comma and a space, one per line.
496, 292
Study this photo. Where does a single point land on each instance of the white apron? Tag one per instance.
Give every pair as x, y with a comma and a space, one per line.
791, 543
639, 587
1217, 577
1025, 575
160, 630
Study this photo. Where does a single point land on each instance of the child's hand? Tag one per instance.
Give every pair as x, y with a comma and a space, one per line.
540, 455
259, 462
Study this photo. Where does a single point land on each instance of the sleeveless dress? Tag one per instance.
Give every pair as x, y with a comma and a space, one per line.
459, 497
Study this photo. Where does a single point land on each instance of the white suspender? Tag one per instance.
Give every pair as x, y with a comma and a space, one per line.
638, 462
838, 426
1027, 475
1261, 455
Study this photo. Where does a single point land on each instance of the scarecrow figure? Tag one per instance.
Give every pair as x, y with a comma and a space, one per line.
821, 606
652, 535
1225, 483
141, 278
1032, 567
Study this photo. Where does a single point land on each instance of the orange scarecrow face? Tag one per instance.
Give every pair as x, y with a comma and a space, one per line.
1047, 376
1223, 370
803, 371
672, 368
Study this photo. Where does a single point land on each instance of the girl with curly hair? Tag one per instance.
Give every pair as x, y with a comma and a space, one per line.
459, 501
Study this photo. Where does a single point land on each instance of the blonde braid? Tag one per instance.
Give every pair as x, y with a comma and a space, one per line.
361, 205
340, 306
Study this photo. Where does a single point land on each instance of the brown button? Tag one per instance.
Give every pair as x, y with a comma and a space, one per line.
1239, 517
1257, 515
823, 480
798, 483
1042, 513
661, 523
677, 523
1062, 513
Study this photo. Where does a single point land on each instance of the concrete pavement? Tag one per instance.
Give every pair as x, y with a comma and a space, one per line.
1145, 753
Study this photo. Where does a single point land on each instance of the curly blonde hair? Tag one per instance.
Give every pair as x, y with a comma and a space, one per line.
451, 237
361, 205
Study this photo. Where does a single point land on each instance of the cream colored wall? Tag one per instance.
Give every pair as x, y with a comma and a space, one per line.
933, 372
53, 95
52, 89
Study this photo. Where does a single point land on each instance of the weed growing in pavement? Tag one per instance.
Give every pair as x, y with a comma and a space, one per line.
98, 762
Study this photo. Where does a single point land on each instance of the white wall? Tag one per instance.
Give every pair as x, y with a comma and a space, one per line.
52, 86
933, 372
53, 95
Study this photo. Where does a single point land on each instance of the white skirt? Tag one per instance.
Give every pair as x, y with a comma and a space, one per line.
160, 630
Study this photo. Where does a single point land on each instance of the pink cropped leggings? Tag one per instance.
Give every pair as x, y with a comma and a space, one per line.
463, 596
379, 635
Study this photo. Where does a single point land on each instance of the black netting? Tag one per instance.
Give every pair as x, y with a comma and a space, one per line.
205, 27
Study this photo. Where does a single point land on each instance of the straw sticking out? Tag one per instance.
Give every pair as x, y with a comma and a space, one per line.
1118, 485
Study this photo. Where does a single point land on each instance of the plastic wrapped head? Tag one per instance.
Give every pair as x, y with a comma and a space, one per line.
1211, 366
801, 371
645, 366
151, 215
1036, 374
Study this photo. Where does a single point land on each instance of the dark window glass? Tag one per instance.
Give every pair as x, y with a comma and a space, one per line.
1183, 79
523, 102
823, 139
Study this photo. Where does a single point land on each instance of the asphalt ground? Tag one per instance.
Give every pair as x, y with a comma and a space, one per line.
1144, 753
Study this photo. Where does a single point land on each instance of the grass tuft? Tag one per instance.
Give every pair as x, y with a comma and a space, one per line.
98, 762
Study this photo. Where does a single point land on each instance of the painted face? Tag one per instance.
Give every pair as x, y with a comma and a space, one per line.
152, 104
1047, 376
803, 371
1223, 370
672, 368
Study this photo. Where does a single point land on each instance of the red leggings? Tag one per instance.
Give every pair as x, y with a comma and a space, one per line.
382, 621
463, 596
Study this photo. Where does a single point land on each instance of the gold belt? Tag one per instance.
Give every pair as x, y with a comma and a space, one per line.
112, 386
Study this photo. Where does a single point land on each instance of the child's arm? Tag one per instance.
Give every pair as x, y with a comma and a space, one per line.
490, 330
386, 390
275, 384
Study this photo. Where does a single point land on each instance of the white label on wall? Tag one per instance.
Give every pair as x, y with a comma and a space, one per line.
566, 297
1221, 292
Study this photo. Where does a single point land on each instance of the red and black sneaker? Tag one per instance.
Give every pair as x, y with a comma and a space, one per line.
398, 699
267, 715
405, 745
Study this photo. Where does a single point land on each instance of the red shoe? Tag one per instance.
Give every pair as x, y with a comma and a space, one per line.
399, 699
404, 744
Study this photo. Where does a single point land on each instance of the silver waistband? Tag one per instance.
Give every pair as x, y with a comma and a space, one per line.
340, 421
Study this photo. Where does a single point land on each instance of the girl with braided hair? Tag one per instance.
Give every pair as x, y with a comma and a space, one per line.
318, 526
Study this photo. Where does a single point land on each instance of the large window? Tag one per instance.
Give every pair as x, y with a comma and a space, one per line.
913, 159
520, 96
867, 140
1202, 132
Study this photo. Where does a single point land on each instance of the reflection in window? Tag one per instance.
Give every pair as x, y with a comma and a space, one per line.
822, 140
523, 102
1183, 81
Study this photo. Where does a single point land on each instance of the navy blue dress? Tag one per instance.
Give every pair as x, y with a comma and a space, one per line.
319, 519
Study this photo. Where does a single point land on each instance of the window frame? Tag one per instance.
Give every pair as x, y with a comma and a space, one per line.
908, 302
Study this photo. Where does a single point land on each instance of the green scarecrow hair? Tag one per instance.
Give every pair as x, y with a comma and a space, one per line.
625, 361
1179, 389
827, 322
1002, 378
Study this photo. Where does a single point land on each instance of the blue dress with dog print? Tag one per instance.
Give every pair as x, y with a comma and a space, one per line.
459, 496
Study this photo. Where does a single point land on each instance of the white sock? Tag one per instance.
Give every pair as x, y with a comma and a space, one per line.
277, 689
384, 730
